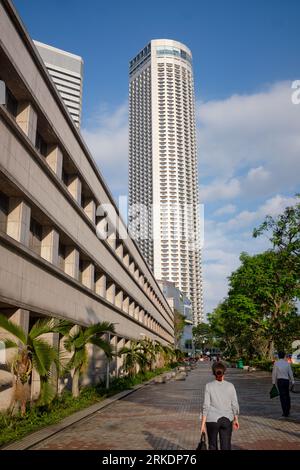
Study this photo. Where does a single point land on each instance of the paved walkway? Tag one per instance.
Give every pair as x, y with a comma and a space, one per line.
166, 417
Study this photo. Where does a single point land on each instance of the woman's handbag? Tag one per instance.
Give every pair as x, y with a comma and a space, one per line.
202, 443
274, 392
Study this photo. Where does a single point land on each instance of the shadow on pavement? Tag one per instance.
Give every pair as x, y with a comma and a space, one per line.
160, 443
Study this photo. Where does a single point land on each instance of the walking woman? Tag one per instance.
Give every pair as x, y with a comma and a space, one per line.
220, 409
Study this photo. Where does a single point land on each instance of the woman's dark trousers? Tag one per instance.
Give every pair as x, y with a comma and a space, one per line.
223, 427
284, 394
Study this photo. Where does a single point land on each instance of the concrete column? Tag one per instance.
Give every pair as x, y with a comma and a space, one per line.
75, 187
126, 260
53, 340
132, 267
90, 209
119, 250
136, 312
55, 160
111, 292
72, 262
49, 245
125, 305
119, 299
18, 220
21, 318
88, 274
142, 316
112, 240
131, 308
100, 285
27, 120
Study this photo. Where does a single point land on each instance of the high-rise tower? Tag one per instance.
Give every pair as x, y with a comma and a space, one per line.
66, 71
163, 166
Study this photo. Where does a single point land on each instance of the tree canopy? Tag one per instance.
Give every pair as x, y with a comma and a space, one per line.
260, 311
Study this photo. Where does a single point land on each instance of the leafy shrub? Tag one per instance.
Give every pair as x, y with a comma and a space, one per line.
296, 370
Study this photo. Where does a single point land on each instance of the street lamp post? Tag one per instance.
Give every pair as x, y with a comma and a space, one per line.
108, 367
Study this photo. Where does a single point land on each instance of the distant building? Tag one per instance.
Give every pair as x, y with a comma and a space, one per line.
178, 301
66, 70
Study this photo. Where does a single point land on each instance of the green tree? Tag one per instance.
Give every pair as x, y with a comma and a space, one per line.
259, 312
32, 352
77, 342
285, 231
179, 324
202, 335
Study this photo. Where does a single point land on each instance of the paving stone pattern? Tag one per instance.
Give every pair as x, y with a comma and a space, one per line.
167, 417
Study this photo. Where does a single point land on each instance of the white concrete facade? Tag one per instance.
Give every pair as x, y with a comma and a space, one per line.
163, 166
66, 71
53, 264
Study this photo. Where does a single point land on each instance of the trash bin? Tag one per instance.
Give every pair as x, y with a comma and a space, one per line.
240, 364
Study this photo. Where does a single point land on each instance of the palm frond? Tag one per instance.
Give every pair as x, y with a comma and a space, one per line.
99, 329
62, 326
78, 360
13, 329
43, 356
8, 343
46, 325
47, 392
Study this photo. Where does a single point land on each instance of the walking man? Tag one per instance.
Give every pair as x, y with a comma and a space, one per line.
282, 374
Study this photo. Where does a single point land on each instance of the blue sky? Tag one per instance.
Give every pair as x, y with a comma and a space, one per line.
246, 56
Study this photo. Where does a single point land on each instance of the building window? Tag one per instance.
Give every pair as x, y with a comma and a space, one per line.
11, 103
35, 236
40, 144
61, 256
4, 200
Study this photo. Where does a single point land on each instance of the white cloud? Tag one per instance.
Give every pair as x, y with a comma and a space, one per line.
107, 138
224, 241
258, 173
258, 134
220, 189
272, 206
224, 210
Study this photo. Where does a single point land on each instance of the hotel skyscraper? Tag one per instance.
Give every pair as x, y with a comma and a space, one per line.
163, 166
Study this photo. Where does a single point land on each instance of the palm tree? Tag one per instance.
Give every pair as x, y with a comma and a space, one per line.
134, 356
77, 342
179, 355
149, 352
32, 352
168, 354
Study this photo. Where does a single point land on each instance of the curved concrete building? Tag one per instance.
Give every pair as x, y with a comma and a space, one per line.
53, 264
163, 166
